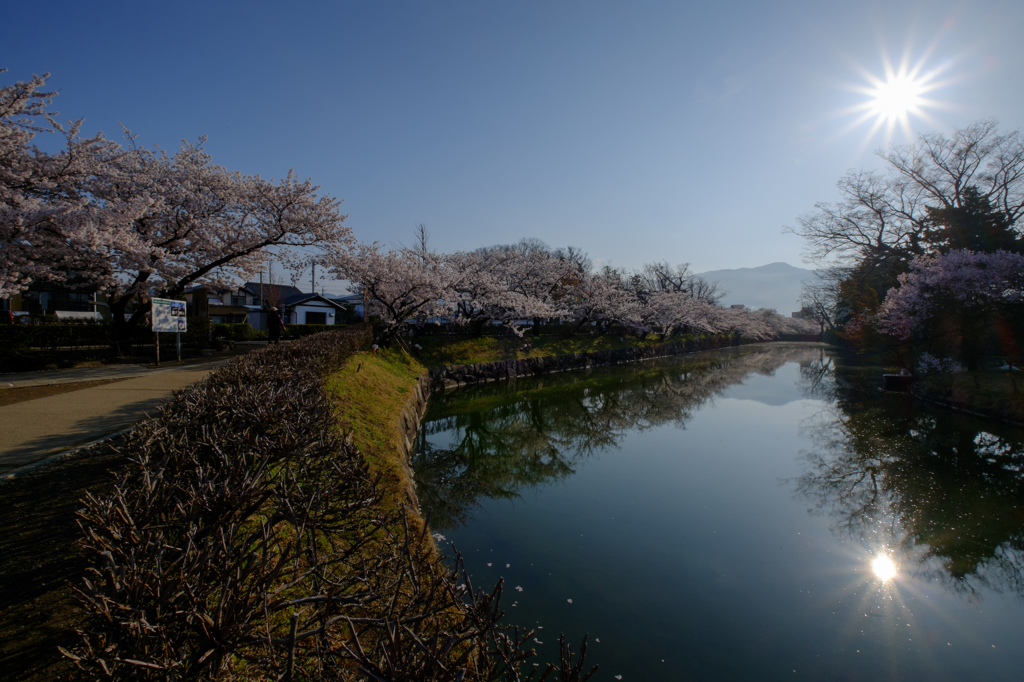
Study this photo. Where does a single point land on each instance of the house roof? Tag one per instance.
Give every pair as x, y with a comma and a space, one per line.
279, 292
214, 288
301, 298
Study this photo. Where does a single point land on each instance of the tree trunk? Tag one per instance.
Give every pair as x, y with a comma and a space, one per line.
123, 326
476, 327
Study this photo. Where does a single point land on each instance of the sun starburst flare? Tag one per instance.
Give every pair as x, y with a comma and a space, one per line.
891, 101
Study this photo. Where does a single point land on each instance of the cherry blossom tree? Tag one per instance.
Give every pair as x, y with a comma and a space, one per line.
49, 225
400, 284
951, 294
513, 283
667, 312
546, 280
604, 299
500, 284
135, 222
205, 223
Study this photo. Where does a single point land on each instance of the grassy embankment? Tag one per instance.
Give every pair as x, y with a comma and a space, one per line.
370, 392
996, 394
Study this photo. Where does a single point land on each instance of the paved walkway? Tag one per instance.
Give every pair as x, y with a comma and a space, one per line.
70, 376
37, 429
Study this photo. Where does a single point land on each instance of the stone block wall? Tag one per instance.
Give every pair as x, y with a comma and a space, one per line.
408, 425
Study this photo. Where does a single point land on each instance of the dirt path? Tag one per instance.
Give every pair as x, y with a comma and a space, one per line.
35, 430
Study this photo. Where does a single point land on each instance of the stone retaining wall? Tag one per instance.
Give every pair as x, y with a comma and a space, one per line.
453, 376
408, 425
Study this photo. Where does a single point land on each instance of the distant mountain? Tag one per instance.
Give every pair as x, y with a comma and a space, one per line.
776, 285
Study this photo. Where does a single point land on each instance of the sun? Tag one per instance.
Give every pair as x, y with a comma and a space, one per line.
898, 95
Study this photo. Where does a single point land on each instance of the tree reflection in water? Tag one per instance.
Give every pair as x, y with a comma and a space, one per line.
947, 489
507, 437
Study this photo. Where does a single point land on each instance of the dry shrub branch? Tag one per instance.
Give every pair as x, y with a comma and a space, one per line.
244, 541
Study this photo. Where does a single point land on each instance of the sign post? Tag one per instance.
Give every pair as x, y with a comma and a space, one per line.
168, 316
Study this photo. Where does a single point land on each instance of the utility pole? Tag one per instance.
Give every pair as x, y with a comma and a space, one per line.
312, 281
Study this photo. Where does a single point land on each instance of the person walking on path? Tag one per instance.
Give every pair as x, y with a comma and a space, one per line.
275, 325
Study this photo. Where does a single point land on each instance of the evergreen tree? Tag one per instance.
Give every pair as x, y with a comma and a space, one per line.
974, 224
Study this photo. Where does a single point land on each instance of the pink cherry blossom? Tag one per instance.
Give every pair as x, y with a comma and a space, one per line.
959, 278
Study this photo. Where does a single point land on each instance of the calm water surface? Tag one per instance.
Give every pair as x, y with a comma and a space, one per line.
716, 517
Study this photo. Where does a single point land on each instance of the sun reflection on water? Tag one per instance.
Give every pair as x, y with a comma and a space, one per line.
884, 568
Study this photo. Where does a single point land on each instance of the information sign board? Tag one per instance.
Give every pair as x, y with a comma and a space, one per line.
168, 315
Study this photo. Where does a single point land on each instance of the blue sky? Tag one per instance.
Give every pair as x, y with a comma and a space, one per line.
687, 132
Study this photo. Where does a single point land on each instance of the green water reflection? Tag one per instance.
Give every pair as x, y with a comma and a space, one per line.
946, 490
715, 516
511, 436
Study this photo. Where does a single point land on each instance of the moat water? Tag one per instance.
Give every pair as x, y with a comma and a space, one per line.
755, 514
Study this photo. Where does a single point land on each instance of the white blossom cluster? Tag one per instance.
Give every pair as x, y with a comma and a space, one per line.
515, 285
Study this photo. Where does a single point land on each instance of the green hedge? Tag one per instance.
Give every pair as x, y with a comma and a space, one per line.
238, 331
24, 336
242, 331
296, 331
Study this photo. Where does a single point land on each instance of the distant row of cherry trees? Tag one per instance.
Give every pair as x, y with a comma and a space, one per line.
519, 284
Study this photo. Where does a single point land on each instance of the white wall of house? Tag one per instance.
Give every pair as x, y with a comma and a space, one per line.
312, 312
257, 319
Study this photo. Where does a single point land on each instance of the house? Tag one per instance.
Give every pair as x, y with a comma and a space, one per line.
313, 309
78, 302
353, 302
223, 305
251, 301
269, 295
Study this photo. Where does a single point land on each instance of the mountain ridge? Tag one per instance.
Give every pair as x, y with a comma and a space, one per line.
775, 285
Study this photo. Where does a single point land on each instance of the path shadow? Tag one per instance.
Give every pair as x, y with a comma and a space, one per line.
80, 432
39, 562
